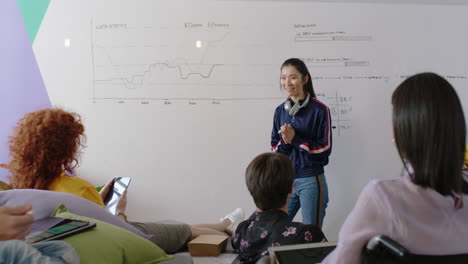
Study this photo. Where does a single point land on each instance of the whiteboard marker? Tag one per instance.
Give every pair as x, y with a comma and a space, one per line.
279, 131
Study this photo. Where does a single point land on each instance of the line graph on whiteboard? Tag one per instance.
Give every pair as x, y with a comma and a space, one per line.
182, 66
213, 61
146, 62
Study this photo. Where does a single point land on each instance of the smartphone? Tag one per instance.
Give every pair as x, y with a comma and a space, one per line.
116, 191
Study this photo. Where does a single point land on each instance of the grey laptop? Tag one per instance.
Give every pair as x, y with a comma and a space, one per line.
302, 253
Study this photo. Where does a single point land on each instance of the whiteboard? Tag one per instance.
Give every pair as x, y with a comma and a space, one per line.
180, 95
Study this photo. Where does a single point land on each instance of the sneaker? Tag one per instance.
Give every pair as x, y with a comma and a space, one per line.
235, 217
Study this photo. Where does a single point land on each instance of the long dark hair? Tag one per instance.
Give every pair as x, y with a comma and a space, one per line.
430, 132
302, 68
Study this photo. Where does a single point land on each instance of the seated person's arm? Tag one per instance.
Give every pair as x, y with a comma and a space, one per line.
106, 189
367, 219
15, 222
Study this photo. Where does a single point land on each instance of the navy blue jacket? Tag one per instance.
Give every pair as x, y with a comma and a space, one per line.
312, 143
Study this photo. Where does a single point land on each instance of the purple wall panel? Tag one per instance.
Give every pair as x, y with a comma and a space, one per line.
21, 88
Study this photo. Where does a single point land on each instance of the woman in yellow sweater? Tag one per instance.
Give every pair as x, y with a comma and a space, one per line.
45, 146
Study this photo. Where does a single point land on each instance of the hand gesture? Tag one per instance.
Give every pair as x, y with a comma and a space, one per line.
287, 133
106, 189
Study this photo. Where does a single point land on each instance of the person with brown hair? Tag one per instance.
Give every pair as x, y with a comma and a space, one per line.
269, 178
46, 144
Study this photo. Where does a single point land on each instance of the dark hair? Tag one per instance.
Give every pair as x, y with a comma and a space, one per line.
302, 68
269, 178
429, 130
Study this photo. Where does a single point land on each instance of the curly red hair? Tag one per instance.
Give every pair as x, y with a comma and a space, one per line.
43, 144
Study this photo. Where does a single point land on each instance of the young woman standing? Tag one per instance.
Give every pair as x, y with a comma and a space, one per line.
302, 131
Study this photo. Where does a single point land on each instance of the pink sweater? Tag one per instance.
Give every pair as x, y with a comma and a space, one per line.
420, 219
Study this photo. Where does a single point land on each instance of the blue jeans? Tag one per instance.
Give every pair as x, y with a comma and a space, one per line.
49, 252
311, 194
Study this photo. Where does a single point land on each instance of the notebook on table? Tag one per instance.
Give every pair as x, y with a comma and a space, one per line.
302, 253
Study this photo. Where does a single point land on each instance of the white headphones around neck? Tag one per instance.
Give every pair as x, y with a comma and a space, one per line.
292, 110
